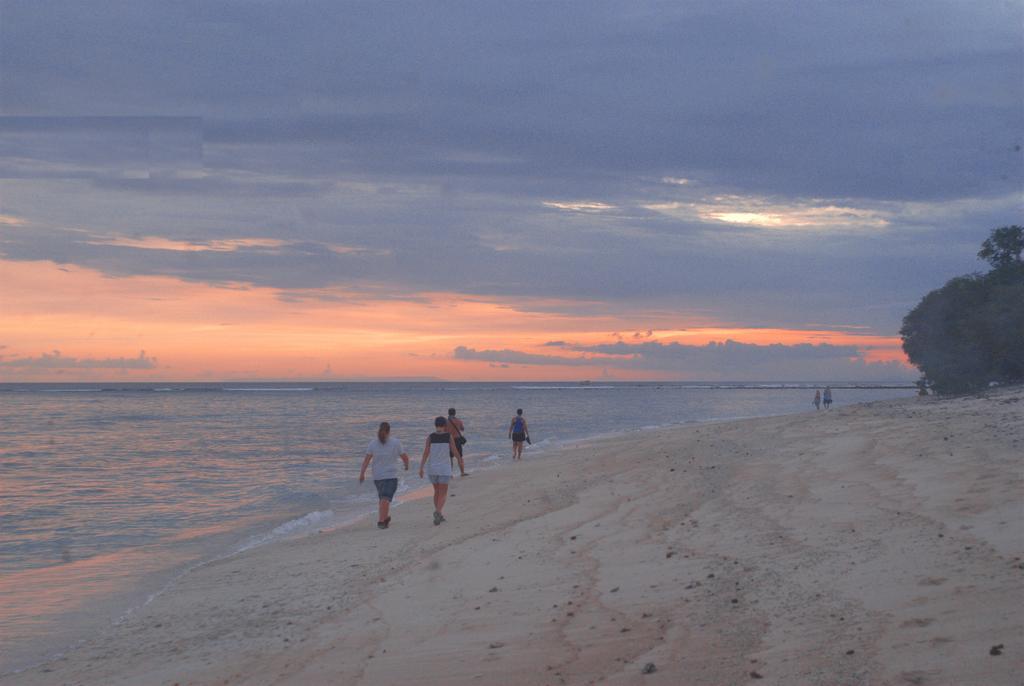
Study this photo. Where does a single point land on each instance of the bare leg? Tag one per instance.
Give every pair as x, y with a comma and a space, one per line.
382, 509
462, 467
440, 495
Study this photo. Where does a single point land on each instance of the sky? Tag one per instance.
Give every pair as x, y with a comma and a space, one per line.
706, 190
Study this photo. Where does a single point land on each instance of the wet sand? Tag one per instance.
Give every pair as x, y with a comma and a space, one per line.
874, 544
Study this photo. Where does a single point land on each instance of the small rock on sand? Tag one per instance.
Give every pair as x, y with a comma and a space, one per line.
649, 668
996, 650
756, 675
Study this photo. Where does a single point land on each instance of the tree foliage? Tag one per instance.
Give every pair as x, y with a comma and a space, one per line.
970, 332
1003, 248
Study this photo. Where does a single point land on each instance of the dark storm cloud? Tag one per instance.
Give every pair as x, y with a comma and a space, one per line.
796, 97
405, 129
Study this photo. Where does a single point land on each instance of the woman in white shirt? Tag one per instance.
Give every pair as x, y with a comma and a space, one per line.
437, 461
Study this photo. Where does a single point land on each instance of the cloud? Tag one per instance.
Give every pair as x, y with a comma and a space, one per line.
617, 152
579, 205
515, 357
220, 245
724, 360
55, 360
160, 243
277, 262
761, 212
656, 351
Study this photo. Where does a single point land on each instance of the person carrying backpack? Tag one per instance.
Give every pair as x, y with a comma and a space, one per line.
458, 430
518, 431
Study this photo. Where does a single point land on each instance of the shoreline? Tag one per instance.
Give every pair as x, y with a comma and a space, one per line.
155, 583
141, 650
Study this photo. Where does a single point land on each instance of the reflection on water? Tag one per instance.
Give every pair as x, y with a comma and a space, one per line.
108, 490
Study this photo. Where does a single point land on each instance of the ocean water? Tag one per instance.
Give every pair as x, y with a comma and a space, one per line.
109, 492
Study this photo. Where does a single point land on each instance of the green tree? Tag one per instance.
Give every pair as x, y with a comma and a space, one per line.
970, 332
1003, 247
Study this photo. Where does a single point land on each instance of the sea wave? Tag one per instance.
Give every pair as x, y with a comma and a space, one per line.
289, 528
562, 388
267, 390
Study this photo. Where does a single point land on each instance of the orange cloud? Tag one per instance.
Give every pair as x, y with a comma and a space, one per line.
223, 245
198, 331
159, 243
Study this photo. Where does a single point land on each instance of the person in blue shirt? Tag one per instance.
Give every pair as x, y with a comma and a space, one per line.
518, 431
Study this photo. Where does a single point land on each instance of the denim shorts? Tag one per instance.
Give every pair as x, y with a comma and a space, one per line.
439, 478
386, 488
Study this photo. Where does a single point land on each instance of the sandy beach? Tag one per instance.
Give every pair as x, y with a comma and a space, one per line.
875, 544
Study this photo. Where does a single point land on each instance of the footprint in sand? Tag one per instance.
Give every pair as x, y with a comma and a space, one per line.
917, 623
932, 581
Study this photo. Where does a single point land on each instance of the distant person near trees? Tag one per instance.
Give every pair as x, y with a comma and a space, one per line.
826, 398
817, 399
518, 431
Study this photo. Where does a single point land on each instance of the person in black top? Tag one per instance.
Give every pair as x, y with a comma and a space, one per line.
518, 431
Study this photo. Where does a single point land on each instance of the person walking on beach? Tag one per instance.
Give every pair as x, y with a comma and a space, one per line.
440, 472
817, 399
457, 429
518, 431
384, 452
827, 398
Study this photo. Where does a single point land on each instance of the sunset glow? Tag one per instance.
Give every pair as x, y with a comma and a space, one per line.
73, 323
591, 196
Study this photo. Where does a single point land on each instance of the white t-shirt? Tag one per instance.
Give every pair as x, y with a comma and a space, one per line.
439, 461
385, 458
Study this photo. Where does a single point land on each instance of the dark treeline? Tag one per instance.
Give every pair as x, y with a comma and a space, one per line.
970, 333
